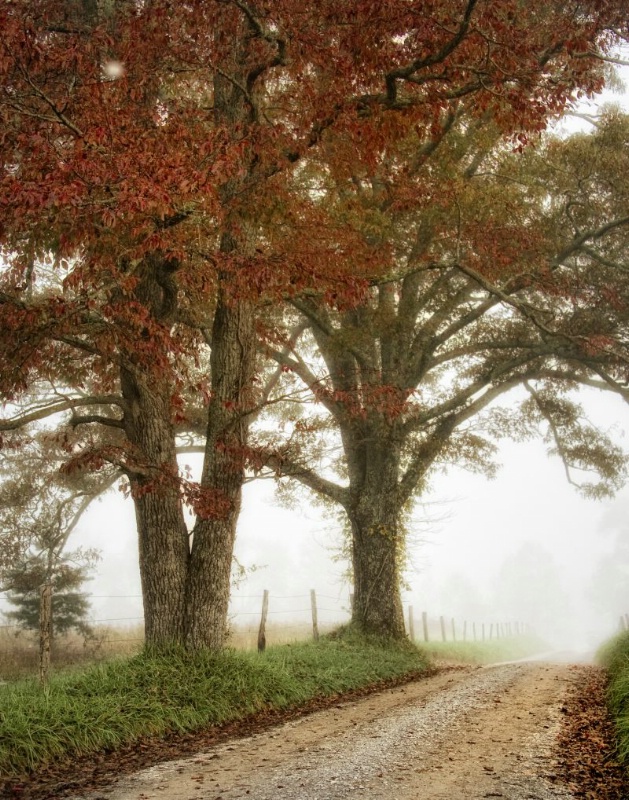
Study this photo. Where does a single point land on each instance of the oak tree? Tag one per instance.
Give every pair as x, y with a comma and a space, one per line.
511, 273
151, 202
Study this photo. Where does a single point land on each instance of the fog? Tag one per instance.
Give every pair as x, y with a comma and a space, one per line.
522, 547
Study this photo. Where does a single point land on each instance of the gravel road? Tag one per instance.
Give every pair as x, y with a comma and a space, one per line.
460, 735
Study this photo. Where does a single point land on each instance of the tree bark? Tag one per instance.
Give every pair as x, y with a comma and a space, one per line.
209, 573
377, 548
162, 532
147, 389
232, 363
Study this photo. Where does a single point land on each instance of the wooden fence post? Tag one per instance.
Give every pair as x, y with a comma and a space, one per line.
45, 631
474, 630
425, 625
411, 624
262, 631
453, 631
443, 628
491, 631
313, 606
464, 630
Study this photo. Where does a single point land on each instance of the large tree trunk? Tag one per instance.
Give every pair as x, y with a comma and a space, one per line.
377, 535
162, 532
377, 548
209, 573
234, 343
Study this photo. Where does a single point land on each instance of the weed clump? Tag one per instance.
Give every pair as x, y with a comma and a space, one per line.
614, 656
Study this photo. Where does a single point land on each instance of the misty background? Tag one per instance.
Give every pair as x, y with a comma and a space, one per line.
525, 546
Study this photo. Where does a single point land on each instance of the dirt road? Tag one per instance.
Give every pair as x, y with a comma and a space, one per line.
460, 735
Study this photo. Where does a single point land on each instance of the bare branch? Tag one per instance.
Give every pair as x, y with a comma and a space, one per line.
284, 466
69, 403
87, 419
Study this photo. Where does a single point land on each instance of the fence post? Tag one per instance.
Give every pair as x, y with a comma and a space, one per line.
411, 624
45, 631
464, 630
262, 631
313, 606
443, 628
491, 631
453, 631
474, 630
425, 625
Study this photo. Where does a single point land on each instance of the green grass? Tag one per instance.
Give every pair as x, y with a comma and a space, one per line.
614, 656
107, 705
487, 652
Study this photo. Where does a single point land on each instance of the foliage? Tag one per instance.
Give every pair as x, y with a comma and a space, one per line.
165, 177
39, 509
106, 706
614, 656
70, 607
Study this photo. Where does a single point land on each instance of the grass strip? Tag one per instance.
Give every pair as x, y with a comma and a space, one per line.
614, 656
106, 706
484, 652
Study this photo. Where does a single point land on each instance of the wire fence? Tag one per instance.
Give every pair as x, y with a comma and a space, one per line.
255, 621
290, 618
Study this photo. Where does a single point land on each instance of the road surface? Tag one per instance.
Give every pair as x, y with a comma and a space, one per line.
459, 735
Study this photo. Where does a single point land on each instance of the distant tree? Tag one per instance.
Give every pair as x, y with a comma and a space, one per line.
609, 586
70, 606
40, 507
529, 588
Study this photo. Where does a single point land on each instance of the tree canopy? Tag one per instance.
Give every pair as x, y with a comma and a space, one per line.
510, 272
173, 171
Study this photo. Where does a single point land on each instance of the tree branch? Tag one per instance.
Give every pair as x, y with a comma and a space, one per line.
284, 466
70, 403
87, 419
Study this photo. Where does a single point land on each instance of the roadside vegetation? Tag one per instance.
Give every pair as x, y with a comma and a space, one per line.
105, 706
485, 652
614, 656
87, 708
19, 649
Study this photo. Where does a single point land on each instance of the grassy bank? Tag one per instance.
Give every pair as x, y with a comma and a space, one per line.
110, 704
487, 652
614, 656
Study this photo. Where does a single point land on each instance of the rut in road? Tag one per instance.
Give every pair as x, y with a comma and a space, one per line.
473, 734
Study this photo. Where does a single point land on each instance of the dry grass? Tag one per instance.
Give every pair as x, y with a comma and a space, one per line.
245, 637
19, 650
